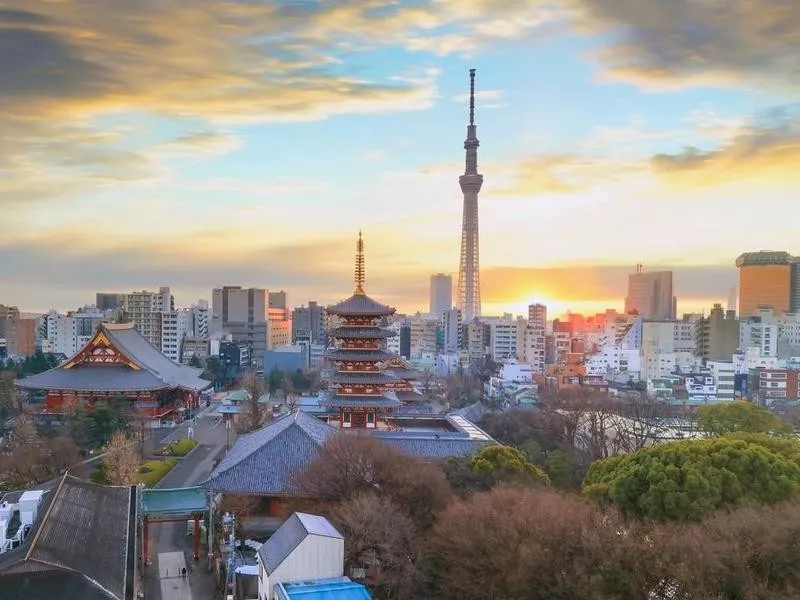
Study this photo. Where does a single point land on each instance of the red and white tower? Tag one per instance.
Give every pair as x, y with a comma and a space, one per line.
469, 275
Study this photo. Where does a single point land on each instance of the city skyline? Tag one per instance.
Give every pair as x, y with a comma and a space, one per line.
244, 144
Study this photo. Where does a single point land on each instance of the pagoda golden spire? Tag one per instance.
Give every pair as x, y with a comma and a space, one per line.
359, 271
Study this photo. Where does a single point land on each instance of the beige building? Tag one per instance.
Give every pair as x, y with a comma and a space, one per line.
18, 329
146, 309
717, 335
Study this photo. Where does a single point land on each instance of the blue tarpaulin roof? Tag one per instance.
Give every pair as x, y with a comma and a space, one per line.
341, 588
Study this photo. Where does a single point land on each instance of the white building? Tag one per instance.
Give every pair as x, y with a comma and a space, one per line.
615, 362
751, 358
723, 376
305, 548
503, 339
68, 333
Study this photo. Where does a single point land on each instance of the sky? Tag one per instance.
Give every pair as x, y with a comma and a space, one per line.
245, 142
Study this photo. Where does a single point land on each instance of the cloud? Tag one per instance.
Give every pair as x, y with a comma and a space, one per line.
669, 43
767, 149
564, 174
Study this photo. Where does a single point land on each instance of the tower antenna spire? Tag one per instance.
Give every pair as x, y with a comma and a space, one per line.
472, 96
359, 271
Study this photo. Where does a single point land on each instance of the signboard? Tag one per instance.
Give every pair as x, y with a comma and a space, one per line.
145, 404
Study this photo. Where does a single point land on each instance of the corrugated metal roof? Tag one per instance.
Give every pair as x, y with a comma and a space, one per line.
84, 528
289, 536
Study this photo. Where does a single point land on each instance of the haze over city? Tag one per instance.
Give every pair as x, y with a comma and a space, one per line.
196, 145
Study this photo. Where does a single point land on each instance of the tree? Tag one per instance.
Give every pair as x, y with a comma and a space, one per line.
380, 537
463, 389
121, 460
274, 380
10, 403
739, 416
688, 480
521, 544
194, 361
253, 415
348, 465
25, 434
508, 466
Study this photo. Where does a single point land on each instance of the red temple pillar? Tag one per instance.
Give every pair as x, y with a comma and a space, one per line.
197, 537
145, 549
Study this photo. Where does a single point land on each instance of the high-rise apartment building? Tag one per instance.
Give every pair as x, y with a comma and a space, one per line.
243, 314
441, 294
145, 309
18, 329
453, 331
650, 295
537, 316
768, 279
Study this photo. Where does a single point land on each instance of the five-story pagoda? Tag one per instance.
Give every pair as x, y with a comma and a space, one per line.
357, 386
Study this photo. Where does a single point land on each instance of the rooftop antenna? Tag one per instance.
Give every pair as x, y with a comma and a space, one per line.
639, 268
359, 271
472, 96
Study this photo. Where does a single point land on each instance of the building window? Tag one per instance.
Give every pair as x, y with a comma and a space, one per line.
346, 417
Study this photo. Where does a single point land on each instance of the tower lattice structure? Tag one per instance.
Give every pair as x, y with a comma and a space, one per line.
469, 277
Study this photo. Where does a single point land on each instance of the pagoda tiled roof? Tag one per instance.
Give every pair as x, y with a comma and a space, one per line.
359, 355
373, 378
360, 305
84, 537
153, 371
387, 400
263, 462
361, 333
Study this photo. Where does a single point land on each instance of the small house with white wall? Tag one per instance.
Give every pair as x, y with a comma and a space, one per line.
306, 548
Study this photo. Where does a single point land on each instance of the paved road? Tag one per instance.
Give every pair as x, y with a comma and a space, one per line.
167, 538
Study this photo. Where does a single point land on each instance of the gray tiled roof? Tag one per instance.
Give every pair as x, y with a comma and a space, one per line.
360, 305
387, 400
289, 536
136, 346
430, 446
361, 333
361, 378
157, 371
92, 378
359, 355
84, 528
264, 461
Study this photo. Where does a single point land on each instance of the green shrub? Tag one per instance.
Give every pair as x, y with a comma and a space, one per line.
153, 471
183, 446
180, 447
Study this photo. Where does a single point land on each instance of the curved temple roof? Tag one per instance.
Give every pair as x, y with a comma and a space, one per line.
145, 368
361, 333
360, 305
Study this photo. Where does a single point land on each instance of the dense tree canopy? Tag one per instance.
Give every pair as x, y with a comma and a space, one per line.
688, 480
741, 416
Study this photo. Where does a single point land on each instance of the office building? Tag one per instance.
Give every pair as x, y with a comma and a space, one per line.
105, 301
441, 294
308, 323
242, 313
650, 295
768, 279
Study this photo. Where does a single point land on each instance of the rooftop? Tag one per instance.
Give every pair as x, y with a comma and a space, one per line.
341, 588
117, 359
360, 305
289, 536
83, 541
